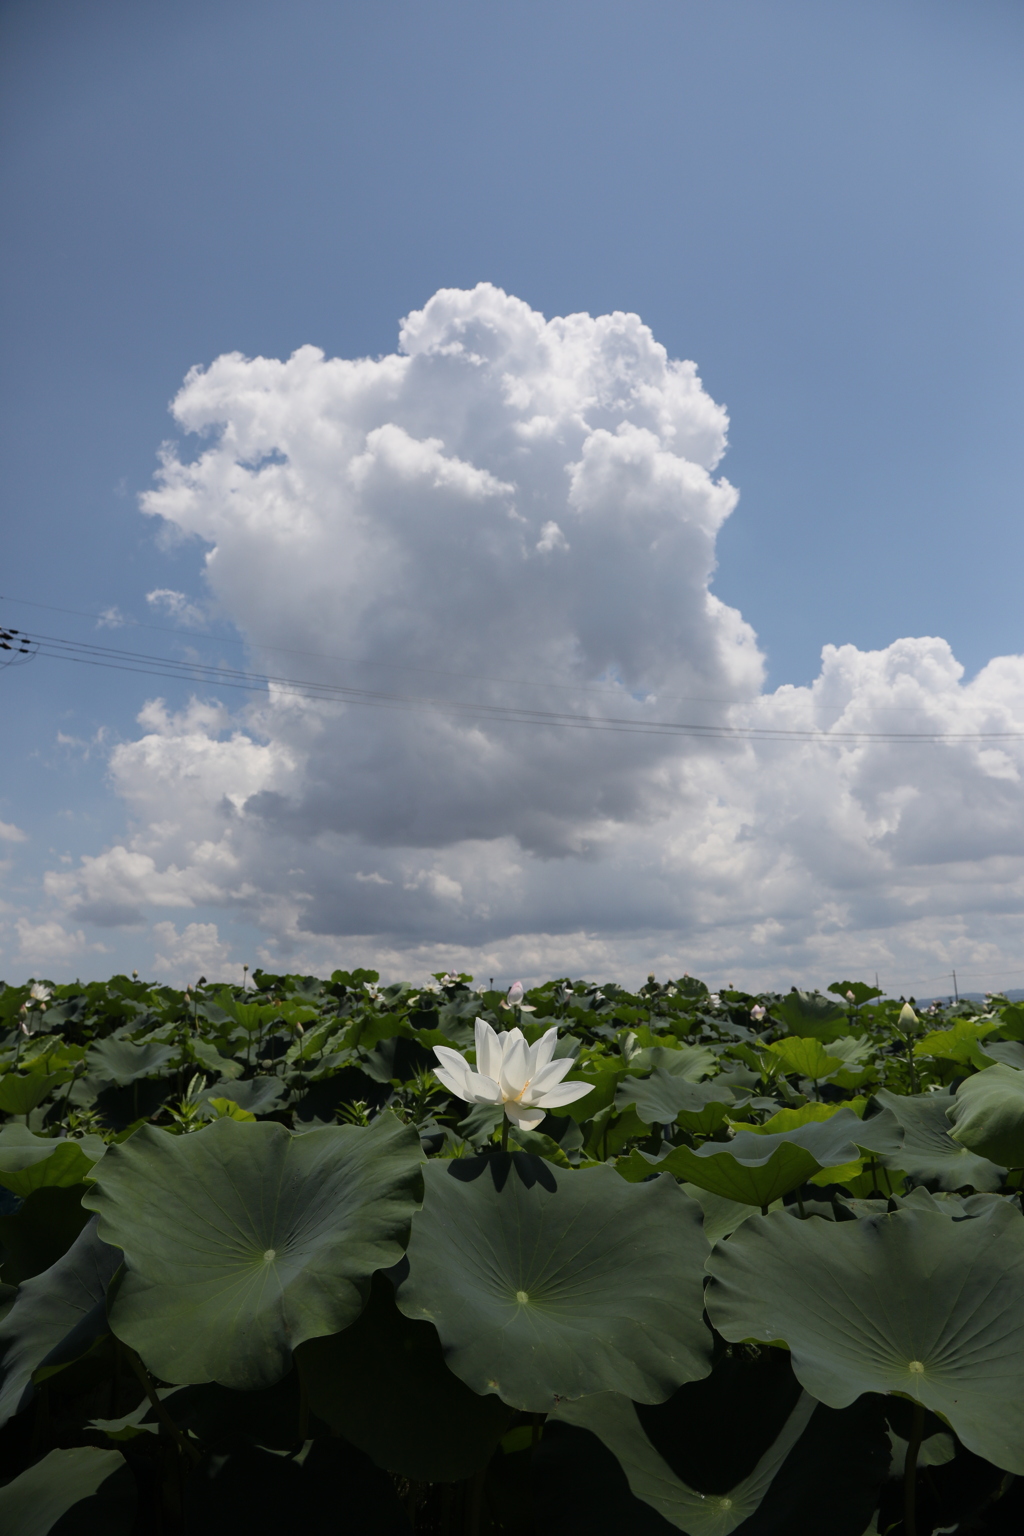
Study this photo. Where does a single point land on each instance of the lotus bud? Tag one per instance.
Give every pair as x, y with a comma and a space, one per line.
850, 997
515, 994
757, 1013
907, 1021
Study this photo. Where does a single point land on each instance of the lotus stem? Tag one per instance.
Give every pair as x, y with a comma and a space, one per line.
180, 1439
504, 1134
910, 1472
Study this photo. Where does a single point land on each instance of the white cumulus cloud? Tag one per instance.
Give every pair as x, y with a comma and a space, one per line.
482, 545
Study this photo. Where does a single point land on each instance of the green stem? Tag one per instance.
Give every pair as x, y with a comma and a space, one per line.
504, 1134
303, 1411
910, 1472
181, 1440
476, 1499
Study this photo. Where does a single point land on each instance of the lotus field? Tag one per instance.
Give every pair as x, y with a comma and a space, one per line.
329, 1256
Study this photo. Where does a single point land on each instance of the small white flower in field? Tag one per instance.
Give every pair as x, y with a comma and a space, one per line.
714, 1001
907, 1019
672, 992
372, 992
450, 979
523, 1078
850, 997
757, 1013
40, 994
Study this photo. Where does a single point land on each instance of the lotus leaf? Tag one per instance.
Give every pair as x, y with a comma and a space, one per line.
122, 1062
758, 1169
1009, 1052
383, 1384
663, 1097
988, 1115
22, 1092
242, 1240
805, 1056
32, 1504
545, 1285
258, 1095
40, 1231
929, 1155
925, 1300
812, 1015
29, 1162
613, 1419
68, 1299
691, 1062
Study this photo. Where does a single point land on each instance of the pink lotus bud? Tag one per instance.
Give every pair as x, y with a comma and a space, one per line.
515, 994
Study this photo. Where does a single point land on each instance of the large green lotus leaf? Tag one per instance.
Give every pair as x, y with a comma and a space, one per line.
29, 1162
258, 1095
929, 1155
806, 1056
603, 1086
613, 1419
961, 1043
1009, 1052
759, 1169
545, 1285
812, 1015
862, 993
691, 1062
662, 1097
22, 1092
33, 1503
721, 1216
828, 1485
383, 1384
988, 1115
243, 1239
926, 1300
121, 1062
40, 1231
63, 1305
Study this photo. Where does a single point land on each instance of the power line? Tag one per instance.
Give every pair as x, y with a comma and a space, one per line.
120, 659
394, 666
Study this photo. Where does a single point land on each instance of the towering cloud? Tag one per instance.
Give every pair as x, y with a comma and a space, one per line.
512, 520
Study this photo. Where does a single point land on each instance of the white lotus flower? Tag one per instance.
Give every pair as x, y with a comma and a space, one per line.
757, 1013
514, 999
714, 1001
523, 1078
38, 993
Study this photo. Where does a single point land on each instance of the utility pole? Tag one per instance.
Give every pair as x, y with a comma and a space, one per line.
956, 994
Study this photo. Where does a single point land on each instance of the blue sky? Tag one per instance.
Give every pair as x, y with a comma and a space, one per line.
819, 204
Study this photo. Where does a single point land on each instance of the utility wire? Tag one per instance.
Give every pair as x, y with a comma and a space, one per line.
394, 666
120, 659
